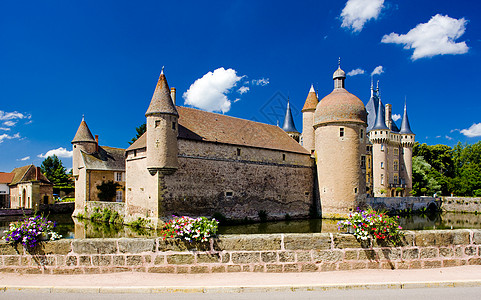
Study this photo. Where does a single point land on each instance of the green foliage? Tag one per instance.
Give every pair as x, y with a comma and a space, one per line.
108, 190
445, 169
140, 130
140, 223
105, 216
55, 172
262, 215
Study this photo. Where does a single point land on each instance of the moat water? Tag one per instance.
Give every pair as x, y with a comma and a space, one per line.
71, 228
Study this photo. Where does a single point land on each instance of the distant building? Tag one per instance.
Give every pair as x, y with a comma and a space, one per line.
5, 179
29, 188
192, 162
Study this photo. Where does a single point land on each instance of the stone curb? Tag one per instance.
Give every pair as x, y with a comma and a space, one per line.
239, 289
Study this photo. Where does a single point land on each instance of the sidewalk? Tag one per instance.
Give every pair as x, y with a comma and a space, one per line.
243, 282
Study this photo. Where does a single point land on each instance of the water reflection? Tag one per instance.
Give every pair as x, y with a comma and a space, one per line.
70, 227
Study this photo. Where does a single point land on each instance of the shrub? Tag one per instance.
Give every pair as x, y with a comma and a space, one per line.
189, 229
262, 215
30, 231
372, 224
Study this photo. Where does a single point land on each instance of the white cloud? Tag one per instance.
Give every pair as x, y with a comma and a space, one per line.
25, 158
261, 81
357, 12
243, 89
60, 152
355, 72
396, 117
9, 123
11, 115
448, 137
9, 137
209, 92
473, 131
436, 37
377, 70
5, 128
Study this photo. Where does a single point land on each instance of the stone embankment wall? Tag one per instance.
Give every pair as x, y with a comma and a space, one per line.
402, 203
245, 253
461, 204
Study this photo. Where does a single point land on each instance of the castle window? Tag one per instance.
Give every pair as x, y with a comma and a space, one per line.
355, 190
367, 148
382, 147
396, 151
396, 165
118, 196
382, 178
363, 162
362, 134
382, 165
341, 132
238, 151
229, 193
283, 157
157, 123
118, 176
395, 179
173, 125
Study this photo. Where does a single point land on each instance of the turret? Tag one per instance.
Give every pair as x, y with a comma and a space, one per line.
288, 125
379, 137
308, 140
407, 143
83, 141
162, 128
340, 143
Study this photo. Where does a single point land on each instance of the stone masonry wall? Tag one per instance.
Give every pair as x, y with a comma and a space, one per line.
461, 204
245, 253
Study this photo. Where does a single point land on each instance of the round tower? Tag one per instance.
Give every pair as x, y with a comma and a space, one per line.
162, 128
379, 137
83, 141
340, 125
407, 143
308, 139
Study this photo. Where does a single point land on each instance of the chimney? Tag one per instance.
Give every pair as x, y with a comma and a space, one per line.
37, 173
96, 143
388, 116
172, 94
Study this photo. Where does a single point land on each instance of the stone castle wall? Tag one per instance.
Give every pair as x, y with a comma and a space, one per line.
401, 203
235, 181
462, 204
245, 253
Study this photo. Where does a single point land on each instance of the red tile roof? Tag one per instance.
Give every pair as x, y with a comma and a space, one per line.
6, 177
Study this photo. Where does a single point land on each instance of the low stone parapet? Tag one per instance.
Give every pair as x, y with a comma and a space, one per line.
462, 204
245, 253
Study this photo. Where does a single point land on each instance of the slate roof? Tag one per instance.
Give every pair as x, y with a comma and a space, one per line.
405, 127
380, 123
27, 174
288, 125
199, 125
107, 158
83, 133
6, 177
161, 100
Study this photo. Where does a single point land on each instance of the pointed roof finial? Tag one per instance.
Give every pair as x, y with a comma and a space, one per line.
405, 126
339, 62
162, 72
377, 86
83, 117
312, 89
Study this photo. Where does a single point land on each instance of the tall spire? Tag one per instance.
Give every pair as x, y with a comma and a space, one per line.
405, 127
380, 123
288, 125
161, 100
372, 88
83, 133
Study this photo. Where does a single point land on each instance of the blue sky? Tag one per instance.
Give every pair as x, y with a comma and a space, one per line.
60, 60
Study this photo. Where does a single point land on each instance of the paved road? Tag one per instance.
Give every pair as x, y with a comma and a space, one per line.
457, 293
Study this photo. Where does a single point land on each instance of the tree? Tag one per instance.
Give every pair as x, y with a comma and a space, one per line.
140, 131
108, 190
424, 180
55, 172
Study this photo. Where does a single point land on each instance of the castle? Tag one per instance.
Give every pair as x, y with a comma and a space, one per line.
192, 162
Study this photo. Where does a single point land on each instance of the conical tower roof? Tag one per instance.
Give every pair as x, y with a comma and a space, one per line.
289, 121
380, 123
83, 133
161, 102
311, 100
405, 127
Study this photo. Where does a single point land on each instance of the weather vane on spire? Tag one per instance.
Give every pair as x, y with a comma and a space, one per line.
162, 72
83, 117
339, 62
